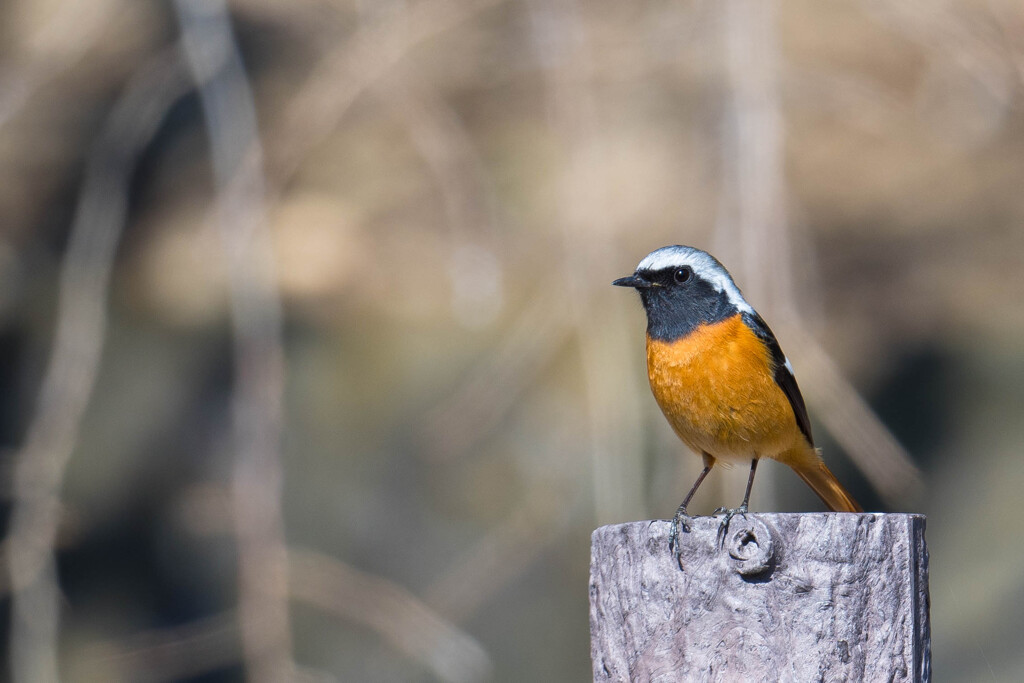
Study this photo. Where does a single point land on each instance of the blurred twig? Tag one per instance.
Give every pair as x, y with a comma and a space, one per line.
752, 223
171, 654
560, 43
319, 105
74, 363
443, 142
504, 553
345, 73
944, 28
751, 229
230, 115
71, 29
756, 224
392, 611
868, 105
493, 387
404, 621
1011, 27
850, 420
466, 193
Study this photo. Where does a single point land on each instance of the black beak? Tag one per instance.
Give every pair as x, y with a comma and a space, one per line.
634, 281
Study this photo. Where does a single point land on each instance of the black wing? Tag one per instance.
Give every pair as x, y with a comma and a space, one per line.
783, 375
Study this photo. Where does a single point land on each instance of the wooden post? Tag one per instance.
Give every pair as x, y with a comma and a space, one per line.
787, 597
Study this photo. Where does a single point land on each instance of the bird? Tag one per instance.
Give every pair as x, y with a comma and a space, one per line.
721, 379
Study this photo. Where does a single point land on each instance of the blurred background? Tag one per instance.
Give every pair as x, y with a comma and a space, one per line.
310, 366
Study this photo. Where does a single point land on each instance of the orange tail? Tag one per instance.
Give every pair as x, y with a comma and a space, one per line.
828, 488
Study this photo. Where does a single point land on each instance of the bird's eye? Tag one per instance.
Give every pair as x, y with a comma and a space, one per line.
683, 274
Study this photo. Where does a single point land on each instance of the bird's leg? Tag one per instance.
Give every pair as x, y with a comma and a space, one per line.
723, 528
681, 520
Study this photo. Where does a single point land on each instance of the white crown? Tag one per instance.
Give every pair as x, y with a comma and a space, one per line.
704, 266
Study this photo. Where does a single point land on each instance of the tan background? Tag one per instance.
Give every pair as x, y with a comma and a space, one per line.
447, 190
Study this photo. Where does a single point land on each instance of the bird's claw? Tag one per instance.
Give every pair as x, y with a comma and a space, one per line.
723, 528
680, 525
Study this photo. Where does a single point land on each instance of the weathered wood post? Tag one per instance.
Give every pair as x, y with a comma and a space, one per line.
787, 597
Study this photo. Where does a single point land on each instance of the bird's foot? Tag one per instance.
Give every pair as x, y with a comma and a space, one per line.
680, 524
723, 528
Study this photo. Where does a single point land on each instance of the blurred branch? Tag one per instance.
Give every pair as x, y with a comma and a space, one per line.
227, 103
392, 611
1011, 26
443, 142
341, 76
751, 228
466, 193
345, 73
74, 363
504, 553
403, 621
170, 654
938, 27
860, 101
752, 223
850, 420
492, 388
72, 29
754, 220
560, 43
173, 654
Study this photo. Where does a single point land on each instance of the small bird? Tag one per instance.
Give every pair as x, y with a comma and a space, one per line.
721, 379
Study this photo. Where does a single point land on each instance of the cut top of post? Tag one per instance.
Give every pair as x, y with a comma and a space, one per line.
821, 596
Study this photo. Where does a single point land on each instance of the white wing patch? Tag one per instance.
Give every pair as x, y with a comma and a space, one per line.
704, 266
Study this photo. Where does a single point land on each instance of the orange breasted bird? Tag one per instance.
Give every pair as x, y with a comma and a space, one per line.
720, 377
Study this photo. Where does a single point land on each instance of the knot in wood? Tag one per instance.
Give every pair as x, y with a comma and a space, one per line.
750, 543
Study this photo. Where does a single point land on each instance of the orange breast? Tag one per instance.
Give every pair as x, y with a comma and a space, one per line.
716, 386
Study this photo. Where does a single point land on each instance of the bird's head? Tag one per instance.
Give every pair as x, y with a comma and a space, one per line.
681, 288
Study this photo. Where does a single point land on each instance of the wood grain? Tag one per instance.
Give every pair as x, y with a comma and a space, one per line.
786, 597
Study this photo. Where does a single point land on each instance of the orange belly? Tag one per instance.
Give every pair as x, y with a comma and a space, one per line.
717, 388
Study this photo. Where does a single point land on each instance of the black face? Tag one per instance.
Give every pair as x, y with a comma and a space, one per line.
677, 300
